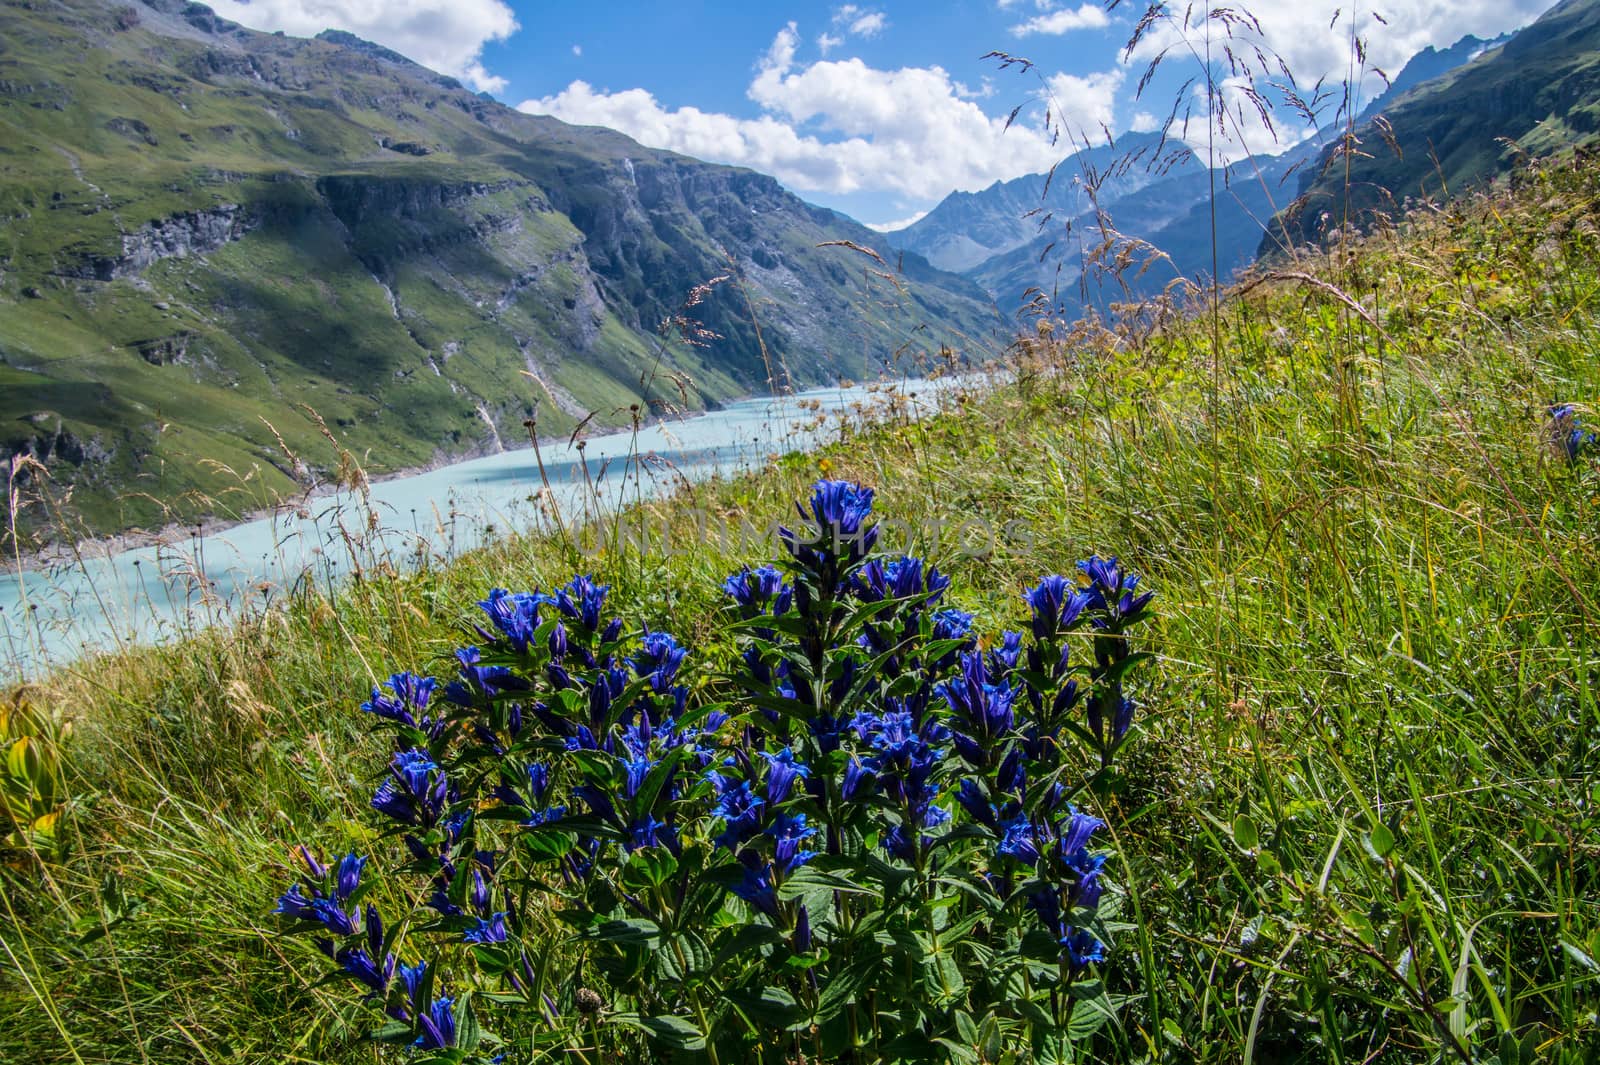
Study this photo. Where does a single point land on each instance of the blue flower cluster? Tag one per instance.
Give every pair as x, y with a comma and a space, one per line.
864, 770
1567, 434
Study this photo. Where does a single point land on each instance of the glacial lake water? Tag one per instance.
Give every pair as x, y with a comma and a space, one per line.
50, 617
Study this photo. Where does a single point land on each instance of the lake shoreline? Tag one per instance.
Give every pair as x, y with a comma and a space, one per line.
53, 556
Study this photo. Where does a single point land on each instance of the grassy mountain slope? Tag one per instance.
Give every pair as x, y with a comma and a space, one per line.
1358, 822
1538, 92
204, 229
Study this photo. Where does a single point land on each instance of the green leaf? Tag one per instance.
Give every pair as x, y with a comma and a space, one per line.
1578, 955
1089, 1016
750, 937
840, 992
964, 1055
1381, 840
1245, 834
677, 1032
772, 1006
810, 878
393, 1032
632, 931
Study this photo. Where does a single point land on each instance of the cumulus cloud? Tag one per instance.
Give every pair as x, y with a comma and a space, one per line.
1054, 23
1313, 38
1084, 104
444, 35
841, 126
838, 126
859, 22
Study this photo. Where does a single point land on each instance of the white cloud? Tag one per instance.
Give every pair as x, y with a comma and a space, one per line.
827, 42
1144, 122
577, 50
840, 126
890, 227
444, 35
1314, 39
1084, 104
859, 22
1054, 23
869, 25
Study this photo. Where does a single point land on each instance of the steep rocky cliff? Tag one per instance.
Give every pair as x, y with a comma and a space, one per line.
214, 241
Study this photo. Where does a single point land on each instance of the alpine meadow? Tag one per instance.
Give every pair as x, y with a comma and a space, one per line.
1153, 621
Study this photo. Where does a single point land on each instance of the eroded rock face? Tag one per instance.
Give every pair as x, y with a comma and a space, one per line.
164, 351
178, 236
46, 439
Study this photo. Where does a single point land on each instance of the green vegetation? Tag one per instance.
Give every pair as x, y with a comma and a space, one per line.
1359, 823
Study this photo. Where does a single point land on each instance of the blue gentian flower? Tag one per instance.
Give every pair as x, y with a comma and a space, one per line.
1004, 658
899, 578
1076, 829
515, 616
415, 791
740, 810
582, 600
898, 843
1057, 604
411, 978
658, 658
478, 894
790, 830
951, 624
756, 884
969, 793
755, 590
1086, 889
317, 870
1013, 772
1567, 434
782, 771
357, 963
411, 694
840, 537
1111, 589
1017, 842
859, 780
488, 931
438, 1025
983, 711
319, 909
1122, 712
348, 876
649, 832
1082, 948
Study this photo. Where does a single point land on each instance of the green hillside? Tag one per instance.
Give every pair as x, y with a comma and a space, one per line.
204, 229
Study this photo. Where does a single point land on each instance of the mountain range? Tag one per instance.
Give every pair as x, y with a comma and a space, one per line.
219, 247
1456, 116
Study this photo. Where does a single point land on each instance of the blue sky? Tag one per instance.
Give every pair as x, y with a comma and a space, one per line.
876, 109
